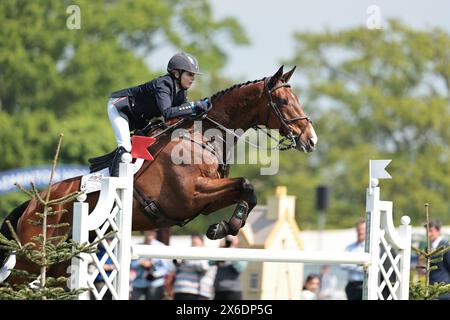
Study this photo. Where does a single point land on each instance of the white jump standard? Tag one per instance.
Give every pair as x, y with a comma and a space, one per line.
386, 259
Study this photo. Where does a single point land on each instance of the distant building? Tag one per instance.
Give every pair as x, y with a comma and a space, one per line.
272, 227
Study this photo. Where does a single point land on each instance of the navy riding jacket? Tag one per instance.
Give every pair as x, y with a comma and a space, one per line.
152, 99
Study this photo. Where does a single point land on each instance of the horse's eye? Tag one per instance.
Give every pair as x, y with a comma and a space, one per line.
283, 101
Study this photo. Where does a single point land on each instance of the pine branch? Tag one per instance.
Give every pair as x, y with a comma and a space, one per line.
62, 238
55, 160
34, 222
51, 212
418, 251
36, 194
65, 199
39, 238
44, 220
57, 212
58, 225
440, 251
437, 260
28, 193
13, 233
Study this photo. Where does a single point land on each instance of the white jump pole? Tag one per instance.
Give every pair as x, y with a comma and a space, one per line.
262, 255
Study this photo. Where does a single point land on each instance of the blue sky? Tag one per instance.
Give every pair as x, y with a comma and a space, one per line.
270, 25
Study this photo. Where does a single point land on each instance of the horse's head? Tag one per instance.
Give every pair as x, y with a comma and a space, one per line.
284, 112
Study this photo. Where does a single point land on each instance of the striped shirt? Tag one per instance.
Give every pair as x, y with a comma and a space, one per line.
192, 277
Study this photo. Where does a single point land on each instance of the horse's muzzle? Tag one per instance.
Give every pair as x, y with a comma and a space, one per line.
308, 146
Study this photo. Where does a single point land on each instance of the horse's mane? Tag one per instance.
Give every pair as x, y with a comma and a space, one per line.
222, 92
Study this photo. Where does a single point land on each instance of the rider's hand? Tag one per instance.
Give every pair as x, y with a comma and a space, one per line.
201, 106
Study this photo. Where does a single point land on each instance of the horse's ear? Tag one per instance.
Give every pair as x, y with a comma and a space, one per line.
285, 77
275, 78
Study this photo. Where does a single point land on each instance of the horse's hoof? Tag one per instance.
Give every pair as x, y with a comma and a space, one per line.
217, 230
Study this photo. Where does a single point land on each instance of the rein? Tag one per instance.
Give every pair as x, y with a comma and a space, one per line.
290, 138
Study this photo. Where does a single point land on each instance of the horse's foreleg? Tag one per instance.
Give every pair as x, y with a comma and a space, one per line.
221, 193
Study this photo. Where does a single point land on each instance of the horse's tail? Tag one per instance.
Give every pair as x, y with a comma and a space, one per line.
13, 217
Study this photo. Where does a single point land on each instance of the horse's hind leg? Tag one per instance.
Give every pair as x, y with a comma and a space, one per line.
222, 193
245, 205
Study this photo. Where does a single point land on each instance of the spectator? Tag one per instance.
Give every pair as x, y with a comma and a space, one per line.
328, 283
354, 287
108, 267
150, 273
189, 273
442, 273
207, 283
227, 285
311, 287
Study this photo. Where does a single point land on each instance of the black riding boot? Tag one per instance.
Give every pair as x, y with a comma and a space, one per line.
114, 168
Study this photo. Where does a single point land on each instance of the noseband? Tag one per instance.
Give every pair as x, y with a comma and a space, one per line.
290, 140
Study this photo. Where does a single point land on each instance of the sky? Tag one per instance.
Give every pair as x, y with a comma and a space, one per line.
271, 24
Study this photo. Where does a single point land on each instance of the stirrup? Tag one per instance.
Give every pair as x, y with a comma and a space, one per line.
114, 168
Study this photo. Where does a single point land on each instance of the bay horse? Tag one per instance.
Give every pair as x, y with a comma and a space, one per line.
169, 194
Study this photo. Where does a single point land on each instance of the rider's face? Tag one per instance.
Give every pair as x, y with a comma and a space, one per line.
187, 79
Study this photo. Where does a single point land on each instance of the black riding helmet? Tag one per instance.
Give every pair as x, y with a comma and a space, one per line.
183, 61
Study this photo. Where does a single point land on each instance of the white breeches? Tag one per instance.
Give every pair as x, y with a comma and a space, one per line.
120, 125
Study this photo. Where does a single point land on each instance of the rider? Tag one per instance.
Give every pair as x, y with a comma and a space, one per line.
165, 96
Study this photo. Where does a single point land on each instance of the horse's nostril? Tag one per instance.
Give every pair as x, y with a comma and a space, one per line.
311, 142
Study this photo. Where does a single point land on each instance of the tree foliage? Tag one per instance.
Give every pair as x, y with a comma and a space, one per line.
377, 94
46, 65
55, 79
372, 94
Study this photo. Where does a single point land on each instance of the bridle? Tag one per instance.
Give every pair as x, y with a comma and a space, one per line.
285, 143
290, 140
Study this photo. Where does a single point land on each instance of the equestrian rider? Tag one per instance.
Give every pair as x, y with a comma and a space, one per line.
165, 96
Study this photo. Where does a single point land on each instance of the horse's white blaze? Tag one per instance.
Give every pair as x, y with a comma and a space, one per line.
314, 136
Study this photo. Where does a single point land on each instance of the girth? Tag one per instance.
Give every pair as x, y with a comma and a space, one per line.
154, 211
